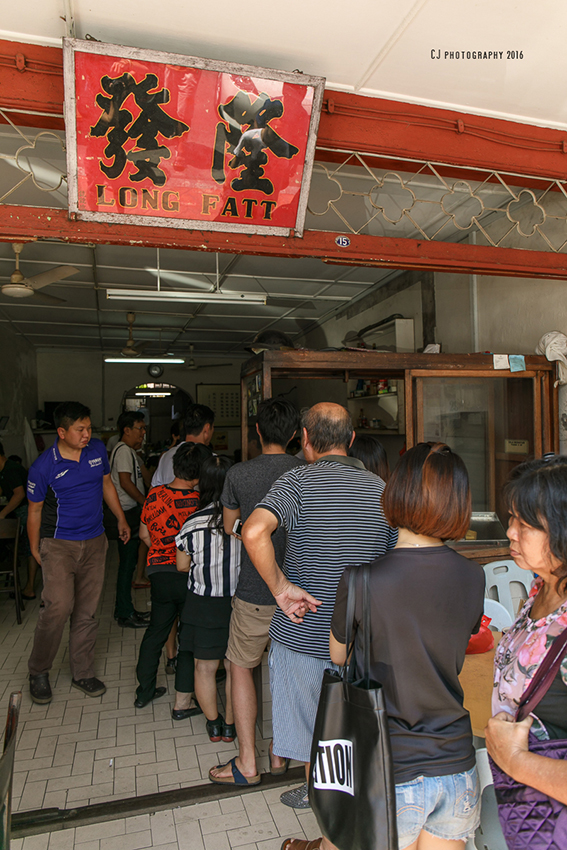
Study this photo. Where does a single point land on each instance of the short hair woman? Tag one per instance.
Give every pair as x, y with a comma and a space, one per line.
425, 601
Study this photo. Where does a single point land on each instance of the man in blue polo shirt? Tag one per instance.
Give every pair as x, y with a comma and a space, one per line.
66, 486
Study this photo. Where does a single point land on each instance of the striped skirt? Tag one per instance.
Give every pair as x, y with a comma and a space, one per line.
295, 683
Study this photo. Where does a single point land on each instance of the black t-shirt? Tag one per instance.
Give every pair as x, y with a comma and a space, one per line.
245, 485
13, 475
425, 604
551, 710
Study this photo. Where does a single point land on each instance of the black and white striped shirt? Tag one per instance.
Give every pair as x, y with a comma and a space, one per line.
215, 556
332, 512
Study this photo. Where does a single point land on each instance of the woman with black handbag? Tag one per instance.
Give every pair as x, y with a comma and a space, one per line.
530, 770
424, 601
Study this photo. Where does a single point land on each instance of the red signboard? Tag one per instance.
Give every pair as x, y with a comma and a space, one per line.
156, 138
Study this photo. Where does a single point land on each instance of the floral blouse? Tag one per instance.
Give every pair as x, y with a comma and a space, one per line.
520, 653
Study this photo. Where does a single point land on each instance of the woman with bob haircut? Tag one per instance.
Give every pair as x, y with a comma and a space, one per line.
537, 500
425, 602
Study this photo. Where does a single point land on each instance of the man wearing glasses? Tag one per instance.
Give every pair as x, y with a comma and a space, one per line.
127, 475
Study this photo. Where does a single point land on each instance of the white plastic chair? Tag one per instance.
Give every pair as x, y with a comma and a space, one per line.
499, 615
508, 584
489, 834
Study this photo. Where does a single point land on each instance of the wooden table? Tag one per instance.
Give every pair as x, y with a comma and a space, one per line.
483, 554
476, 681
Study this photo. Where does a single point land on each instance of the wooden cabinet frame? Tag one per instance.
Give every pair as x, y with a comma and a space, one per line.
413, 369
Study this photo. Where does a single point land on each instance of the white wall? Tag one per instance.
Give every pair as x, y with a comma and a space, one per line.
71, 376
84, 377
408, 303
18, 389
453, 313
514, 313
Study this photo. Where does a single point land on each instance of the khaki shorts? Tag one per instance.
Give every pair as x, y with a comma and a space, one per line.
249, 627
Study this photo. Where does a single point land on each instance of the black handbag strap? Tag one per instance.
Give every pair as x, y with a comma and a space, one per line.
544, 676
366, 623
350, 631
113, 458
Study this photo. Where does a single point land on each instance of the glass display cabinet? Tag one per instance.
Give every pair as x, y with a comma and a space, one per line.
494, 418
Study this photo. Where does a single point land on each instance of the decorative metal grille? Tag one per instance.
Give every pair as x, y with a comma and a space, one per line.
436, 201
361, 193
32, 162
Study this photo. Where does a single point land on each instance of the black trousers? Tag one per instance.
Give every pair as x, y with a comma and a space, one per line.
168, 592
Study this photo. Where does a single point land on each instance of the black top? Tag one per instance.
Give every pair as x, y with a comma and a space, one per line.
245, 485
551, 709
13, 475
425, 604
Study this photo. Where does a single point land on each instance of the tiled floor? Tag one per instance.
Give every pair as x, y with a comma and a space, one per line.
79, 750
256, 820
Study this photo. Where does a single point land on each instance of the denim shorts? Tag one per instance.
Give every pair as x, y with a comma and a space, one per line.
445, 806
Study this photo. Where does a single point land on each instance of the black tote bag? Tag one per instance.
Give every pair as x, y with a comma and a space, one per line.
351, 781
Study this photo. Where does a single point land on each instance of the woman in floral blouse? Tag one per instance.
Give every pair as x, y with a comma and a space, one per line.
537, 500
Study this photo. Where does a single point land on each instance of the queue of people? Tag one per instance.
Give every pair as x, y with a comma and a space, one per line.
261, 552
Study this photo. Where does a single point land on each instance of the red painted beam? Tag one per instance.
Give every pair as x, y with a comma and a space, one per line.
31, 78
393, 128
17, 223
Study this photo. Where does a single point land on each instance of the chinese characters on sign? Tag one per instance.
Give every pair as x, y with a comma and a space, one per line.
162, 139
118, 126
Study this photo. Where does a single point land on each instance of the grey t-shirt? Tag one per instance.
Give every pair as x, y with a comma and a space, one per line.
125, 459
245, 486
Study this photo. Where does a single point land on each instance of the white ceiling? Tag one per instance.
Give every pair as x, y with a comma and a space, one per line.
301, 293
372, 47
366, 46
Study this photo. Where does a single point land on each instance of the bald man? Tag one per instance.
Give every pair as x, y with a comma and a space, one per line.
332, 512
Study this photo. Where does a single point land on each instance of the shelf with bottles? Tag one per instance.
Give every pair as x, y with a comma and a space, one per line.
371, 388
384, 418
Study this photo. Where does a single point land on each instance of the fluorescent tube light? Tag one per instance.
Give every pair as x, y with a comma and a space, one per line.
180, 297
151, 394
144, 360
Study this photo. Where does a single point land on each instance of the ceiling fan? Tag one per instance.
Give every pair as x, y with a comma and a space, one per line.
131, 348
24, 287
192, 365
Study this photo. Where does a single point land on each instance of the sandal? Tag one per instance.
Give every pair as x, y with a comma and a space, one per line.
215, 729
237, 777
228, 732
299, 844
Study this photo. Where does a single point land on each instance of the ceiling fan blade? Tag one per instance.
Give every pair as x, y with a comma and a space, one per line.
190, 283
139, 346
38, 281
211, 365
136, 348
44, 298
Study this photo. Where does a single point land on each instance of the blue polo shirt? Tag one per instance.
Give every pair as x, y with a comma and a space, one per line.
71, 492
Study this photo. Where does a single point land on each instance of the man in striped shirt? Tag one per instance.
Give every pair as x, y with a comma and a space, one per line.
332, 512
